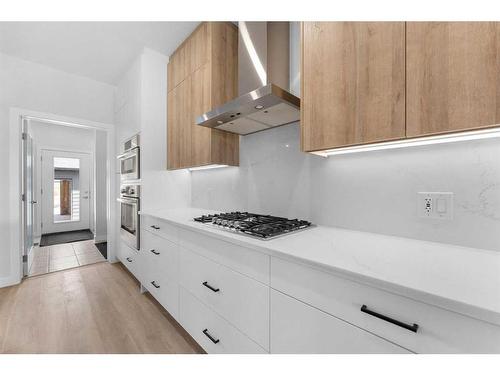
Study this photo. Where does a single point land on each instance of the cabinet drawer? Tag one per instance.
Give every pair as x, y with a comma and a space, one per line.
243, 260
129, 258
159, 227
439, 330
164, 291
241, 300
161, 256
159, 273
201, 322
299, 328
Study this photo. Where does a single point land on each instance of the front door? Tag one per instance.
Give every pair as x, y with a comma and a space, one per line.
65, 191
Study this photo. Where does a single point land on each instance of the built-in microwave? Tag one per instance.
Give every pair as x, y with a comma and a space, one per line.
130, 160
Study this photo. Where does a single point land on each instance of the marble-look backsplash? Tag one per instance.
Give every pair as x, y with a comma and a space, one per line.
374, 191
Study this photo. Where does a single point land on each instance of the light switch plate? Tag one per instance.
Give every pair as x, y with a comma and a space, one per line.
435, 205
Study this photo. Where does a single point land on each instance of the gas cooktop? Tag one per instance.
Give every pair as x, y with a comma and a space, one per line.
263, 227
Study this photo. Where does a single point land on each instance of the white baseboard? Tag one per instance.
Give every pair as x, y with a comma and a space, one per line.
8, 281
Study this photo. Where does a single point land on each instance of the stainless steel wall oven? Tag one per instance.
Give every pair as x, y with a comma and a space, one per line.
129, 213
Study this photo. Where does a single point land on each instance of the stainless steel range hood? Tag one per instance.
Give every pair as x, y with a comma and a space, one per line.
263, 80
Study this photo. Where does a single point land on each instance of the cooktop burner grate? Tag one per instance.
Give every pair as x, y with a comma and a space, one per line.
260, 226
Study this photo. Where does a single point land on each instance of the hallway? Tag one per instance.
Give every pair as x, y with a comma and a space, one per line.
90, 309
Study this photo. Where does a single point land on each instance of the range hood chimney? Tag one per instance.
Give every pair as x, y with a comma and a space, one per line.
263, 82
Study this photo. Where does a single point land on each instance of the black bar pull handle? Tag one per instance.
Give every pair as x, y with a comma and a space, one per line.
129, 260
155, 284
214, 340
155, 227
210, 287
411, 327
155, 252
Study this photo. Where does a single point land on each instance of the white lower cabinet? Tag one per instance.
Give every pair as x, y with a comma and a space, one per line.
166, 292
160, 228
160, 274
299, 328
161, 255
211, 331
243, 301
130, 258
386, 314
232, 299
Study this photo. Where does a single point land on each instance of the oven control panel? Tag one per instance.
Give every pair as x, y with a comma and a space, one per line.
132, 191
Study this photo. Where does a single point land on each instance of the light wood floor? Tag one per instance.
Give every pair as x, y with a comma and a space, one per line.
90, 309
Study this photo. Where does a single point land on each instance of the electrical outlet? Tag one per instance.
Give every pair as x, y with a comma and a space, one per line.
435, 205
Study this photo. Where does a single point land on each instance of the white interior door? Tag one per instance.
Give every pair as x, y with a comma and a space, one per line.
65, 191
28, 198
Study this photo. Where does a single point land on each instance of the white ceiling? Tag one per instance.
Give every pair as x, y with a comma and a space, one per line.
99, 50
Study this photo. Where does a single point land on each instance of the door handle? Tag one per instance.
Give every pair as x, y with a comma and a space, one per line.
129, 260
155, 252
34, 202
155, 227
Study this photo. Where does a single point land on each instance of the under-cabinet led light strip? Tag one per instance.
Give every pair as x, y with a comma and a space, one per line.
429, 140
210, 166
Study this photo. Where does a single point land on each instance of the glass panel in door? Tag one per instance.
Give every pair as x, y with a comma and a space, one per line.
66, 189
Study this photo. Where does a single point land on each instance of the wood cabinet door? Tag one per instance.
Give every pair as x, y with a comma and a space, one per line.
180, 65
179, 126
353, 83
200, 135
199, 47
453, 76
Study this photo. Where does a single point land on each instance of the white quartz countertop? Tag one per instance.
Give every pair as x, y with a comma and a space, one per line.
461, 279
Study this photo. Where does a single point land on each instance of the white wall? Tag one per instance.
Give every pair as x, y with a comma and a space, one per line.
39, 88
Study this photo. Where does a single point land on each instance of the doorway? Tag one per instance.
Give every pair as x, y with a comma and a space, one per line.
63, 184
19, 250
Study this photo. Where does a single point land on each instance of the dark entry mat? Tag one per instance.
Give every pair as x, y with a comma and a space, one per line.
65, 237
103, 248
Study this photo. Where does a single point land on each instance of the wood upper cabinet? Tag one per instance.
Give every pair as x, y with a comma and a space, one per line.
353, 83
453, 76
201, 103
365, 82
179, 125
202, 74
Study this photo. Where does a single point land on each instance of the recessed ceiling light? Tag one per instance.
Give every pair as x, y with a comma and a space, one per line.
258, 106
219, 122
